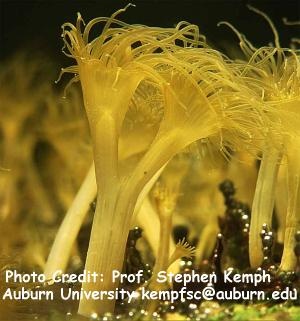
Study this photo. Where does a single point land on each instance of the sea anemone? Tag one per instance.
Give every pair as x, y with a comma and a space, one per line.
274, 72
202, 99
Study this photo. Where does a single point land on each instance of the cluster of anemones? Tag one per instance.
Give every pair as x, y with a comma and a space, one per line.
149, 93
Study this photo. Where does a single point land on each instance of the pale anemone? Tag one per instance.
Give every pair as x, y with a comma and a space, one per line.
109, 76
273, 73
202, 98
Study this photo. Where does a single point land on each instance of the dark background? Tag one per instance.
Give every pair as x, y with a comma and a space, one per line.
35, 24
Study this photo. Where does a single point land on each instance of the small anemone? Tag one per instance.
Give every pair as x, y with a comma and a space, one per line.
182, 249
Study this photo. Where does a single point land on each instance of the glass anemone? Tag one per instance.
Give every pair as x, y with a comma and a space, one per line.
110, 76
202, 98
273, 72
279, 78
